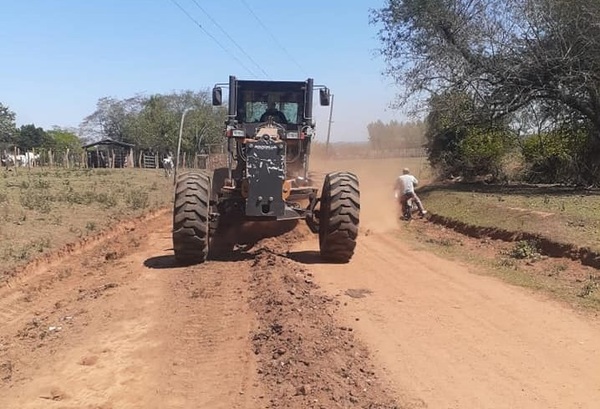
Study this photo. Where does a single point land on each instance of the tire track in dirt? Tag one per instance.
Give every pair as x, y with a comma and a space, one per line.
448, 338
208, 333
42, 272
136, 336
119, 325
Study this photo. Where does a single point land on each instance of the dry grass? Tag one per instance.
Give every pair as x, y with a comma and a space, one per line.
567, 217
43, 210
516, 263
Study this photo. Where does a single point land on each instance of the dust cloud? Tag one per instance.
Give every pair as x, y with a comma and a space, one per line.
379, 211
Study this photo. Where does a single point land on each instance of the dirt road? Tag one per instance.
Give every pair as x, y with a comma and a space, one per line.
447, 338
118, 325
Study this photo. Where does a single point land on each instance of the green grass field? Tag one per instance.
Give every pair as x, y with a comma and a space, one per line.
42, 210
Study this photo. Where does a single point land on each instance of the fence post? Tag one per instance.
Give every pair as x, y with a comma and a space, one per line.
15, 164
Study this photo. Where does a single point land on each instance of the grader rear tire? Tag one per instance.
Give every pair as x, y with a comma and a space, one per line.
339, 217
190, 218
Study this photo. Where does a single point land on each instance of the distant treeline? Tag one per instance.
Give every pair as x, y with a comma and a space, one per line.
150, 122
396, 135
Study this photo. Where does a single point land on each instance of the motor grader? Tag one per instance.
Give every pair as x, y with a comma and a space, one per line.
266, 179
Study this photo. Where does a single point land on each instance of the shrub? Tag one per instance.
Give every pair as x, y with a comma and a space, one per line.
137, 199
562, 156
525, 249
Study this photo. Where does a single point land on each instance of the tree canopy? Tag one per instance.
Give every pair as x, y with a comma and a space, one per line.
152, 122
506, 54
7, 124
525, 63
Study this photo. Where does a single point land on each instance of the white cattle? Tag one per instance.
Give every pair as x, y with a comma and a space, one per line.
30, 159
26, 159
168, 165
8, 160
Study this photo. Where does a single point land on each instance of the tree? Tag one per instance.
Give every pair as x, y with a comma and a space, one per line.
152, 122
7, 125
112, 118
63, 139
508, 57
30, 136
396, 135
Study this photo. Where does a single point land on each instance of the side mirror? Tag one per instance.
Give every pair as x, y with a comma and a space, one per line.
217, 96
324, 96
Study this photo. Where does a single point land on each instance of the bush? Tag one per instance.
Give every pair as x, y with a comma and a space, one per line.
470, 152
463, 142
482, 152
525, 250
561, 156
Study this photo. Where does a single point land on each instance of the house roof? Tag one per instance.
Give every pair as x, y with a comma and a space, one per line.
108, 142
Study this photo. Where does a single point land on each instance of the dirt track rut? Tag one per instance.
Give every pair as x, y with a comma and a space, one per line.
448, 338
120, 326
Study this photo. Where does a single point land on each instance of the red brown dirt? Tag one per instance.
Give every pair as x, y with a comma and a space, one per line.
119, 325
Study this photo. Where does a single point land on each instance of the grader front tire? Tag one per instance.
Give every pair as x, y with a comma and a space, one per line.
339, 217
190, 218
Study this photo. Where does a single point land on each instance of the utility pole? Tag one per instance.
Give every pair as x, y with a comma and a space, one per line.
329, 126
185, 111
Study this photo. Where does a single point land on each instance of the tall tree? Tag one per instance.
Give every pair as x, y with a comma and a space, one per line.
111, 118
396, 135
7, 125
506, 54
514, 60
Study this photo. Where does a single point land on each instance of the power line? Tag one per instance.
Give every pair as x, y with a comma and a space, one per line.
214, 38
273, 37
231, 39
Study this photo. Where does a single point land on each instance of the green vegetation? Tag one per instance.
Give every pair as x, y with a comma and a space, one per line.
149, 122
396, 135
509, 89
525, 249
152, 122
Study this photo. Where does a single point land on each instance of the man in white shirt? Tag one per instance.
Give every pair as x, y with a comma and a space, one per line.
405, 185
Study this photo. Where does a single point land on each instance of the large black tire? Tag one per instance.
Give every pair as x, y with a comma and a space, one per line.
190, 218
339, 217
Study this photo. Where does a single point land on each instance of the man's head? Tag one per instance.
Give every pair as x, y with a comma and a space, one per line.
405, 171
271, 106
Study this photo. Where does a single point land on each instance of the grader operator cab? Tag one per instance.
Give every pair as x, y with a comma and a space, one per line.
268, 134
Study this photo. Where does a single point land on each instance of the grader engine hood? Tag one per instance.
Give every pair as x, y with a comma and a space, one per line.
265, 170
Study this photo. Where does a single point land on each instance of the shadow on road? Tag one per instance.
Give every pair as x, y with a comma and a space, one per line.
161, 262
306, 257
169, 261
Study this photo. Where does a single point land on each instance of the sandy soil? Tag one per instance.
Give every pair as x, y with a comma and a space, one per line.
119, 325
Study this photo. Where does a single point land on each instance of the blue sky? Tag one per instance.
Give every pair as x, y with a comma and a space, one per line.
60, 56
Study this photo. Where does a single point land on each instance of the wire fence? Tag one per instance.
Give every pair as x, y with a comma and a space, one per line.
209, 157
111, 157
